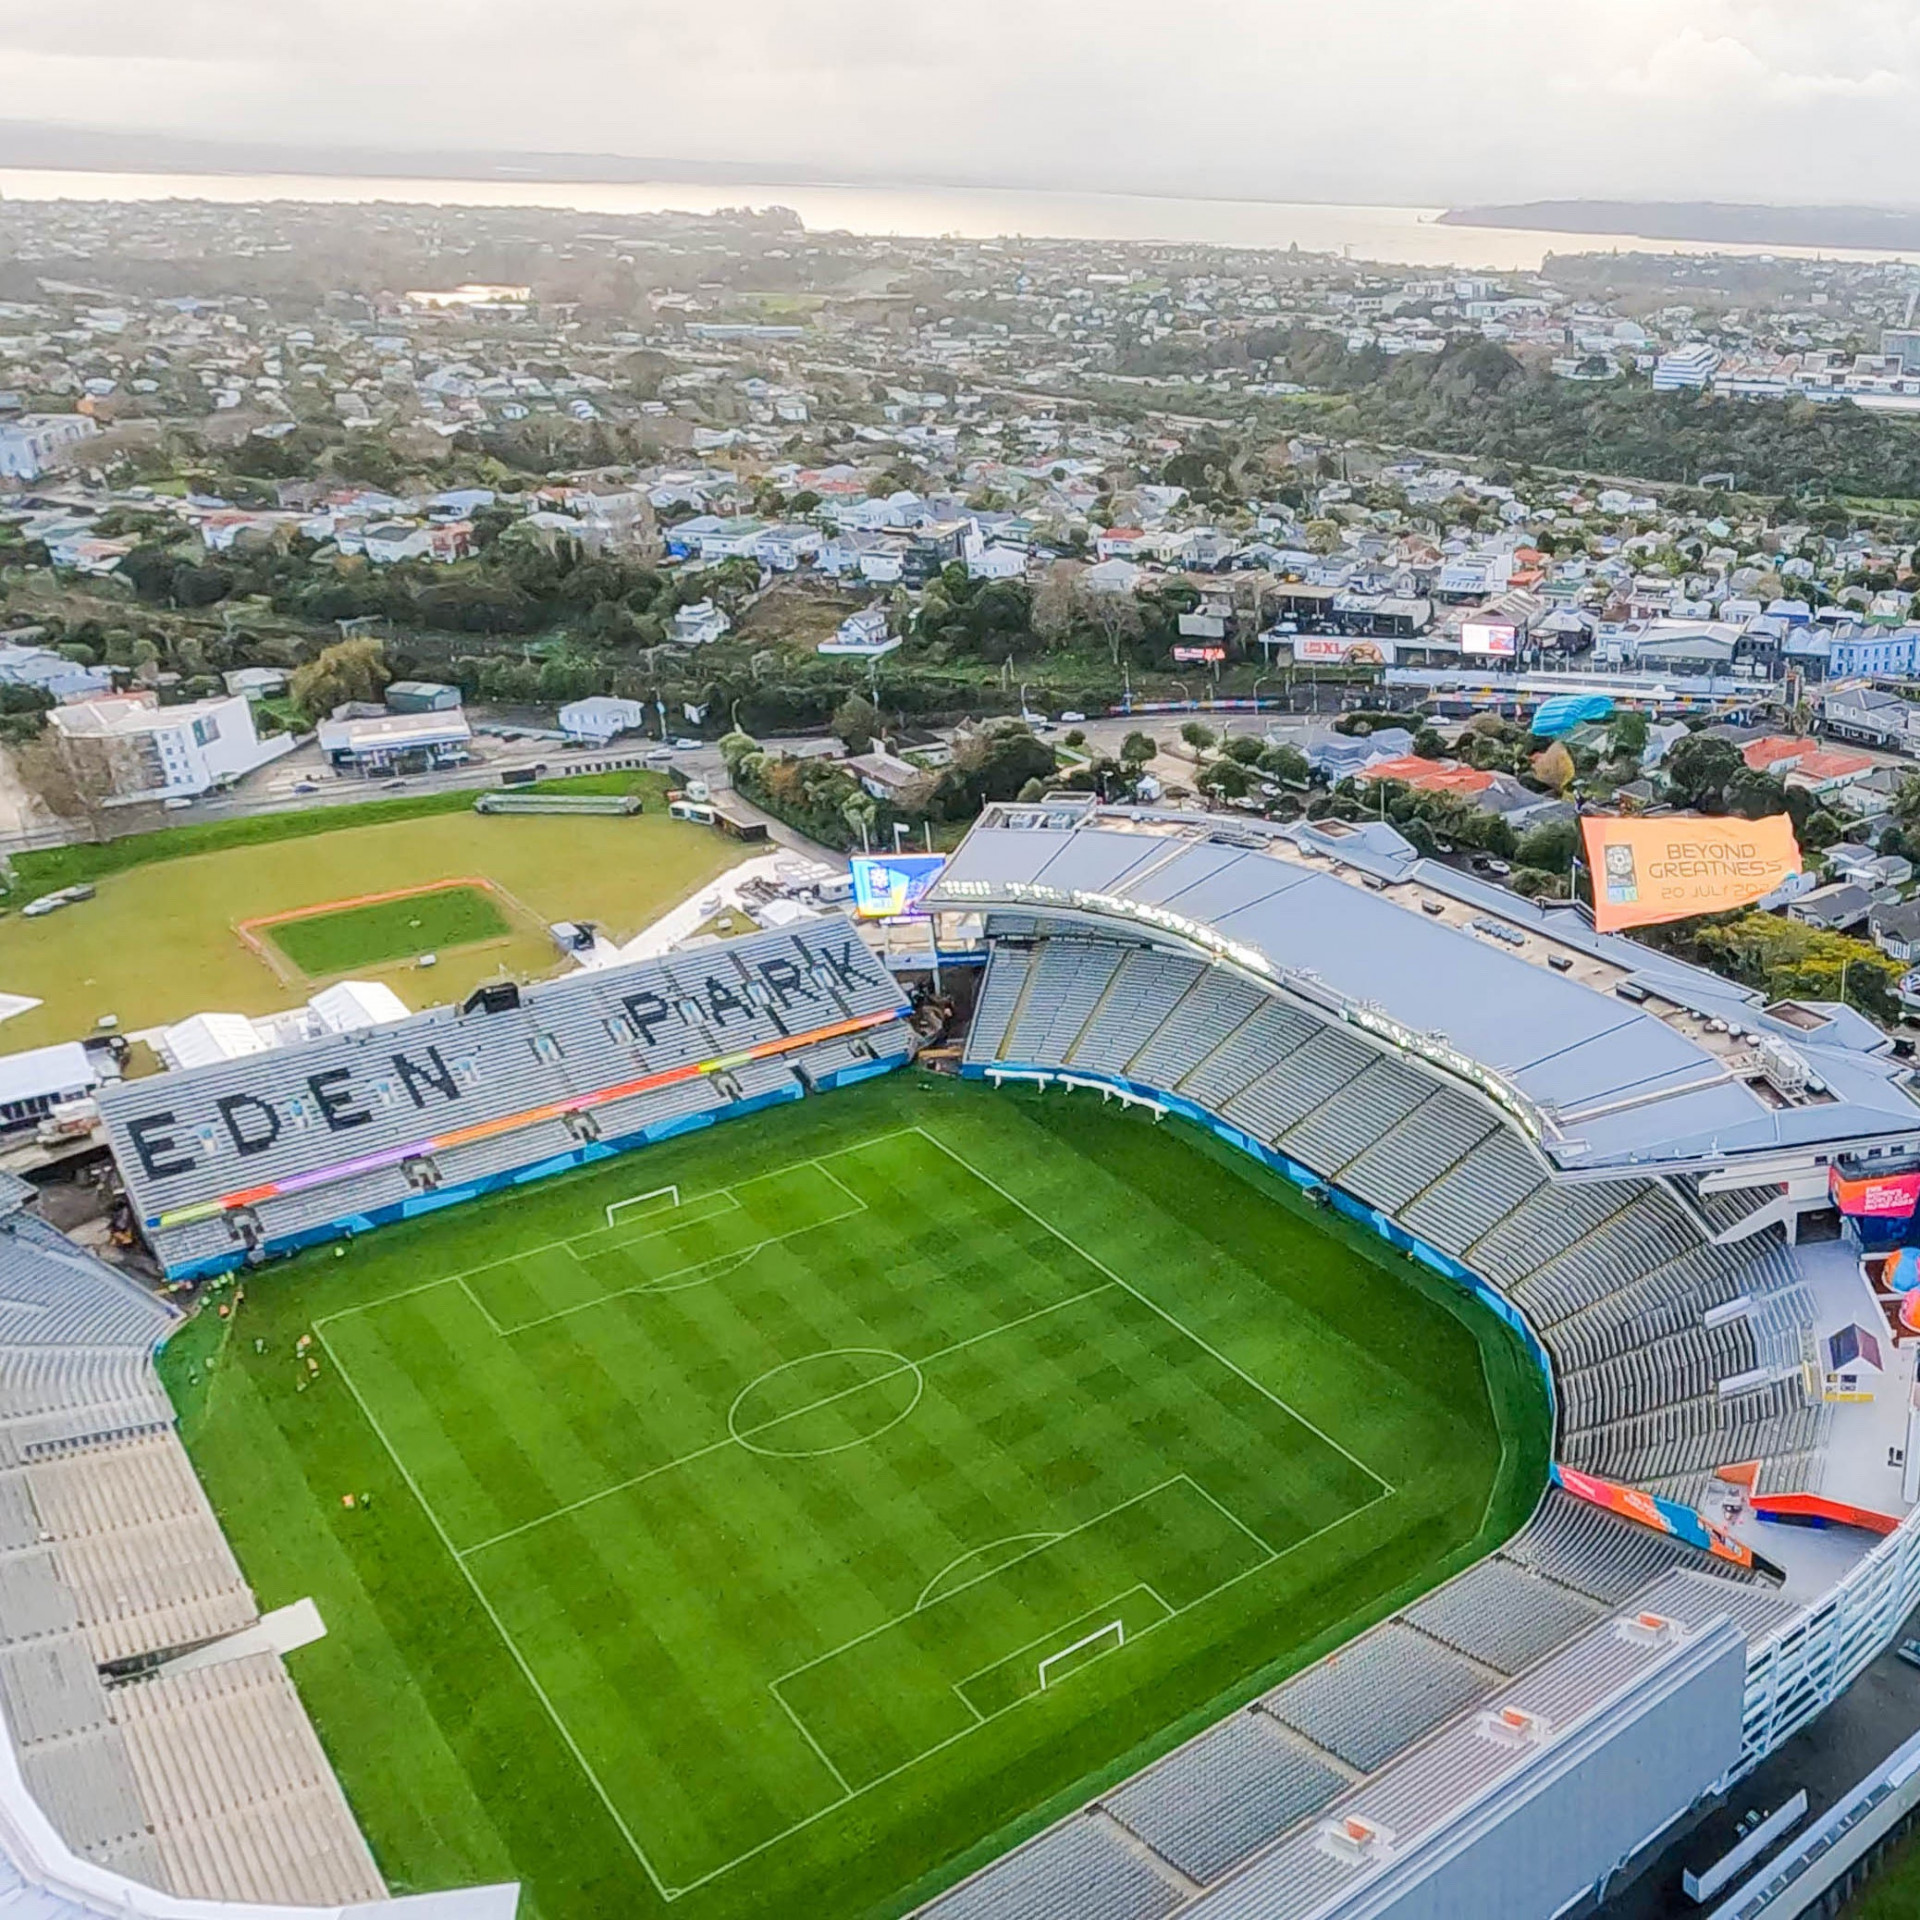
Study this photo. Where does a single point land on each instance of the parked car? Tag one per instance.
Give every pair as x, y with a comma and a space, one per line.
1909, 1651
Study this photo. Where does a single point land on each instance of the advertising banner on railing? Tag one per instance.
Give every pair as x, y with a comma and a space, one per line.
1664, 1516
1646, 872
1882, 1196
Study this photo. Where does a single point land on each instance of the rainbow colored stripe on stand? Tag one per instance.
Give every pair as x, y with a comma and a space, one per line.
510, 1123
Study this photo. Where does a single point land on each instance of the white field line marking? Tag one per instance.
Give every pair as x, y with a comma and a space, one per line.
726, 1194
735, 1438
981, 1720
499, 1627
806, 1734
974, 1553
1172, 1320
460, 1557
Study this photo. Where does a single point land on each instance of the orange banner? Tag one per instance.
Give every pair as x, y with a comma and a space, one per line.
1648, 871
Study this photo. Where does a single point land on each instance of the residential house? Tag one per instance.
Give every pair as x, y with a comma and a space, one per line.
863, 635
601, 718
1895, 930
1838, 907
694, 625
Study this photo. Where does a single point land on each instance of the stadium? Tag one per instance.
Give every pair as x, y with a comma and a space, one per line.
1379, 1399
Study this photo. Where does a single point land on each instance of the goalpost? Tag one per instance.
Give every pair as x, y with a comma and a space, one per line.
1090, 1645
660, 1200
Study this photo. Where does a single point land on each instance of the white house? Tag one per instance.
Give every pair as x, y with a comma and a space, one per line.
862, 635
36, 443
785, 549
601, 718
1113, 576
993, 563
695, 625
152, 752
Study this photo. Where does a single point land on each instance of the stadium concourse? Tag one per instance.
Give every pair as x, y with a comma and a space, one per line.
1636, 1164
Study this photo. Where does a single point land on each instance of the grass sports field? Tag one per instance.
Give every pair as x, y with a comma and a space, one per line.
375, 932
160, 941
781, 1520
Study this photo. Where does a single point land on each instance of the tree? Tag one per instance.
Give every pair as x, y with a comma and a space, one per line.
1753, 795
1245, 748
1137, 749
1117, 615
1198, 736
1698, 770
855, 722
735, 749
1287, 764
1627, 736
1554, 768
348, 670
1224, 779
1550, 847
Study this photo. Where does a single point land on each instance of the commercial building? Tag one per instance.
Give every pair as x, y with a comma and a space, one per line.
133, 750
382, 743
1685, 369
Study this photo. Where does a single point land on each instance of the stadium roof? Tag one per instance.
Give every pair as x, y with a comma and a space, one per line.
1624, 1066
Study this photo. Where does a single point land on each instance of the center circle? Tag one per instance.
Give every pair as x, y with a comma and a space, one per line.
825, 1402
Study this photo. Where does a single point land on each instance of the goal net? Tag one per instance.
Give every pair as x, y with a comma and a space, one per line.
640, 1205
1090, 1646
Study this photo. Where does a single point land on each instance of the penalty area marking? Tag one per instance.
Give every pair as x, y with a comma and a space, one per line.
670, 1892
725, 1203
1153, 1306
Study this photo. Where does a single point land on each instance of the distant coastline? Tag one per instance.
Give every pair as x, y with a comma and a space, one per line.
1718, 223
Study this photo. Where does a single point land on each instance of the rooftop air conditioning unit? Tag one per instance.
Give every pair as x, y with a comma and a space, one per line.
1355, 1840
1514, 1727
1652, 1630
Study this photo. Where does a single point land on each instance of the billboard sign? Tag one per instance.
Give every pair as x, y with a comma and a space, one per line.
1663, 1516
1490, 639
890, 886
1647, 872
1319, 646
1200, 656
1886, 1196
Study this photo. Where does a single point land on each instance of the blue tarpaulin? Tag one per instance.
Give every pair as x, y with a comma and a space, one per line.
1565, 711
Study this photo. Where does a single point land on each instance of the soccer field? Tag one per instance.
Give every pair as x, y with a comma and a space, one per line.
781, 1520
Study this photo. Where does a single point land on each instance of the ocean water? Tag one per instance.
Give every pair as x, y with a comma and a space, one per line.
1399, 236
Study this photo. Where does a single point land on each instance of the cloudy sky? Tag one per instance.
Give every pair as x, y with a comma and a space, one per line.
1410, 101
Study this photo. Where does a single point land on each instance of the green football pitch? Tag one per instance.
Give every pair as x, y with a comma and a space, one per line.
784, 1519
